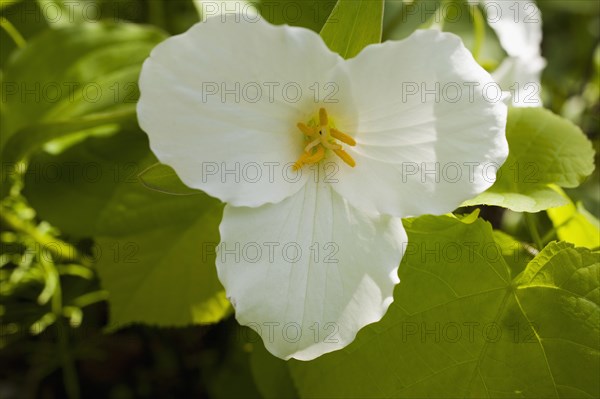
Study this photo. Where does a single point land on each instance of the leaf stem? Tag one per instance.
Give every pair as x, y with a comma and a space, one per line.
14, 34
479, 30
90, 298
67, 363
533, 230
553, 233
59, 250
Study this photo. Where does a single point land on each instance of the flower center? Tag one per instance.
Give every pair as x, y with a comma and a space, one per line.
321, 137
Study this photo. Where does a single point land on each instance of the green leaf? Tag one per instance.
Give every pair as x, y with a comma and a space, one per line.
353, 25
460, 326
174, 17
573, 223
91, 88
87, 69
148, 244
403, 18
26, 18
306, 13
165, 274
31, 139
162, 178
544, 149
560, 293
7, 3
271, 374
576, 7
516, 254
62, 13
154, 252
73, 190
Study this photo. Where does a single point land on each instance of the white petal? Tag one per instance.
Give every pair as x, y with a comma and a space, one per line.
332, 270
237, 146
518, 25
418, 153
522, 78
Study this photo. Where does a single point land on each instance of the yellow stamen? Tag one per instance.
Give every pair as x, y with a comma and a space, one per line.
343, 137
310, 132
301, 161
321, 138
330, 145
324, 121
316, 157
312, 144
345, 157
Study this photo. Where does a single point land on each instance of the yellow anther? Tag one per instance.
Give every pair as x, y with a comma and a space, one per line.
345, 157
321, 138
316, 157
310, 132
323, 120
301, 161
307, 158
343, 137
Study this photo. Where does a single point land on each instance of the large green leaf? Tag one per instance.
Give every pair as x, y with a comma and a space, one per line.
26, 19
73, 190
154, 252
306, 13
544, 149
164, 273
516, 254
353, 25
33, 138
161, 177
62, 13
573, 223
87, 69
148, 244
460, 326
271, 374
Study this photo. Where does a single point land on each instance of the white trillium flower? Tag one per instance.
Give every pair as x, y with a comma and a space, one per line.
318, 158
518, 25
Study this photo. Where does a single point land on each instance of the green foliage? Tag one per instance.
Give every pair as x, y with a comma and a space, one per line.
88, 174
165, 274
132, 225
573, 223
516, 254
26, 18
162, 178
353, 25
544, 149
306, 13
462, 325
271, 375
85, 72
149, 244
